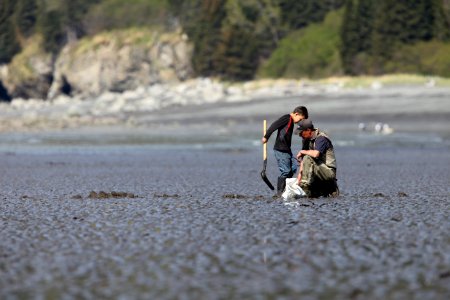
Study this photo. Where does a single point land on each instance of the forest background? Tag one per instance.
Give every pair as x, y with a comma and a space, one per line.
243, 40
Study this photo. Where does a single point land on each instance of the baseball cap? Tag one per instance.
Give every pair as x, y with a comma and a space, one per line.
304, 125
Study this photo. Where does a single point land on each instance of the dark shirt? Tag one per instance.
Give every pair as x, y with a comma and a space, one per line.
285, 127
322, 144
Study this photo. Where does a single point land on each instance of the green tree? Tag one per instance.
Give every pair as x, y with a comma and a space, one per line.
349, 35
401, 22
205, 34
441, 26
299, 13
364, 21
425, 20
236, 55
73, 14
26, 16
9, 44
383, 37
310, 52
52, 31
261, 24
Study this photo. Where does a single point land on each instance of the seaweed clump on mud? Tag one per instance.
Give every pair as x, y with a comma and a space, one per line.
166, 195
105, 195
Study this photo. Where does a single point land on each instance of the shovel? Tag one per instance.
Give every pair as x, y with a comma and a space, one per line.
263, 172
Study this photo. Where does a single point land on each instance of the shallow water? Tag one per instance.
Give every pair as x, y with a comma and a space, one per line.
204, 225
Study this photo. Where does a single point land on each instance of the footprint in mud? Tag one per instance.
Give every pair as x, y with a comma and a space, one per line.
381, 195
26, 197
444, 275
397, 217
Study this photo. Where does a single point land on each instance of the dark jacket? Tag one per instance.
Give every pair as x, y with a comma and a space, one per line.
285, 127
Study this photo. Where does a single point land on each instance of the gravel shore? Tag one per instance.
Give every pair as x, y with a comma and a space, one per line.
188, 222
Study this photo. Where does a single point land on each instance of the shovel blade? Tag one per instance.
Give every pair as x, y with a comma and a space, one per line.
266, 180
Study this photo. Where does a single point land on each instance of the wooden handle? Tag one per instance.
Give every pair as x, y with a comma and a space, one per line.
265, 144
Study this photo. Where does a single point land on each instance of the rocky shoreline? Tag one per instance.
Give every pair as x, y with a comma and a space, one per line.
154, 103
123, 108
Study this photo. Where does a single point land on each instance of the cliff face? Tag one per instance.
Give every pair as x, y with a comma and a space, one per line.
113, 61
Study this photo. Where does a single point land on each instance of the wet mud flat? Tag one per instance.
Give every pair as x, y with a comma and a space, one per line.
187, 223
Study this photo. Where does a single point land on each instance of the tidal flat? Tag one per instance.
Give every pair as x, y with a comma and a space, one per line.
169, 204
191, 222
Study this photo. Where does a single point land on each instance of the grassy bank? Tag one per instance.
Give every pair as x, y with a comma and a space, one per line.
350, 82
386, 80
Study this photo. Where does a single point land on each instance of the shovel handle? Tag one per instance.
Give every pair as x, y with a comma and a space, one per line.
265, 144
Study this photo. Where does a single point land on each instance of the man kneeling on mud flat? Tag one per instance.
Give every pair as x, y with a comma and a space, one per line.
317, 174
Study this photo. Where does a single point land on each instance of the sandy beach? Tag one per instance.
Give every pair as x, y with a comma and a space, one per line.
170, 205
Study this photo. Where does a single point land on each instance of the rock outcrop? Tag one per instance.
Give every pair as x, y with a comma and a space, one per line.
110, 62
30, 74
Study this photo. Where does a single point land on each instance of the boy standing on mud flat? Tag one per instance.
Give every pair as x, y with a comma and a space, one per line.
287, 164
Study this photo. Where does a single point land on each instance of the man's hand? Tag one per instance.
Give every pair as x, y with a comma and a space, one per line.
263, 140
299, 175
312, 153
299, 178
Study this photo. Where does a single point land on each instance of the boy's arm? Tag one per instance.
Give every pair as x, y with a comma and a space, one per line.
280, 123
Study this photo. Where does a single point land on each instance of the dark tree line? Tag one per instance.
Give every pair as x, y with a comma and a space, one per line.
298, 14
19, 19
231, 38
373, 30
230, 47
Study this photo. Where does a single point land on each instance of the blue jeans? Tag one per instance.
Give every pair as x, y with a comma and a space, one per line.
287, 164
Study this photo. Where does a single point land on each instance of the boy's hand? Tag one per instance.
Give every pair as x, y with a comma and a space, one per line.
263, 140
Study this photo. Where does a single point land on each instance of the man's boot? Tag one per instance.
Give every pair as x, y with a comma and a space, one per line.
335, 190
329, 189
281, 185
307, 189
